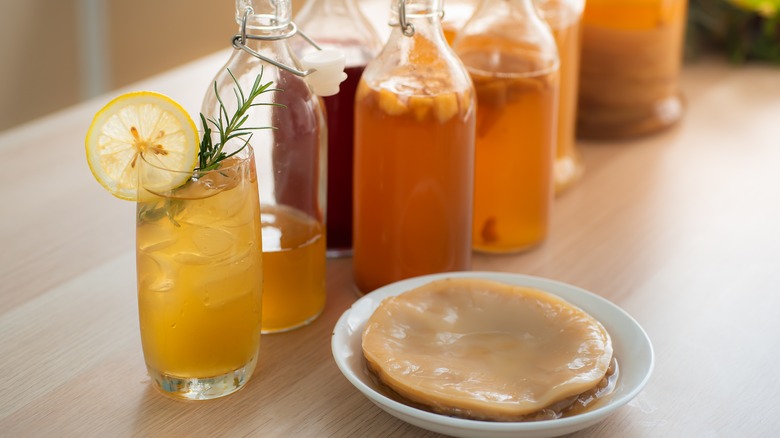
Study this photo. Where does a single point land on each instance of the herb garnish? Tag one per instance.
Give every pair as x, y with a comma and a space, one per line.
170, 207
211, 154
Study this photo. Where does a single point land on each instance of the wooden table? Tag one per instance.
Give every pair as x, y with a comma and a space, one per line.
681, 229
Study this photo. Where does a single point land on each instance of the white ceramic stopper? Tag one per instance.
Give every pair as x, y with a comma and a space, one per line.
329, 66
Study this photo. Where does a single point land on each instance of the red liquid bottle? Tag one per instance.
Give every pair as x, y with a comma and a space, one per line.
339, 24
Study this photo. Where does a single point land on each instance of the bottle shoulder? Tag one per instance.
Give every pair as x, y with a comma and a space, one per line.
285, 89
422, 64
508, 40
336, 25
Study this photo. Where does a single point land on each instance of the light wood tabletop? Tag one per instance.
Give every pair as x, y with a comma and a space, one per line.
681, 229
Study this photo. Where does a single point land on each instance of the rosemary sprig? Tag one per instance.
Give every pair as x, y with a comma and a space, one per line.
170, 207
230, 127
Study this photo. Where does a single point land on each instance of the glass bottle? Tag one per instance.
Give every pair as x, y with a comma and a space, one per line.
456, 14
564, 17
513, 61
291, 164
339, 24
414, 154
631, 57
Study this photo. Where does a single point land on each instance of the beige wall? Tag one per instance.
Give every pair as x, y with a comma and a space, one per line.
143, 43
45, 56
41, 44
37, 49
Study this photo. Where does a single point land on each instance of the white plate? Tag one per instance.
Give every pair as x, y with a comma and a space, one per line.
630, 343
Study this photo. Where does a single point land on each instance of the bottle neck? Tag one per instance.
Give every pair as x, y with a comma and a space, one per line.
405, 15
264, 15
337, 7
522, 8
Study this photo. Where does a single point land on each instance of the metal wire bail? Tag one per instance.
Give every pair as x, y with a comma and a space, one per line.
239, 42
406, 28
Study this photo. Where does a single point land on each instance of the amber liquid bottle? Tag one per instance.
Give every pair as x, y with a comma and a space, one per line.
414, 154
513, 61
456, 14
564, 18
290, 166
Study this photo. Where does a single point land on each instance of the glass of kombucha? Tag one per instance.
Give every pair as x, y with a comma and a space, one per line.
414, 154
199, 266
631, 57
513, 61
564, 18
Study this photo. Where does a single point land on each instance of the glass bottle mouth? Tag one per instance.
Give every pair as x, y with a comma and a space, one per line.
264, 14
416, 8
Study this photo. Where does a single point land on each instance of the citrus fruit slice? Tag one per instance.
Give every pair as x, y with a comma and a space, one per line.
137, 123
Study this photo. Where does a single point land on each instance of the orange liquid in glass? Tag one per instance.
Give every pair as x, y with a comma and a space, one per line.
413, 184
199, 294
294, 259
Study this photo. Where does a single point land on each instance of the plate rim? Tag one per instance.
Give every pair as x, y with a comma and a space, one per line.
579, 421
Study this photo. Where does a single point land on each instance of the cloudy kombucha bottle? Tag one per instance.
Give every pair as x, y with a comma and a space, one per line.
513, 61
414, 154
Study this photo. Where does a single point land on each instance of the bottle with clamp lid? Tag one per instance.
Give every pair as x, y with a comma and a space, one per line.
291, 157
339, 24
414, 154
456, 14
513, 60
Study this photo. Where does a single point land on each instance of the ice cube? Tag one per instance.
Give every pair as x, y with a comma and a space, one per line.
192, 258
156, 272
230, 282
213, 241
154, 237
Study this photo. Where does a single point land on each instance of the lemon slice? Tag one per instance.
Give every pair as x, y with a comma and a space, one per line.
137, 123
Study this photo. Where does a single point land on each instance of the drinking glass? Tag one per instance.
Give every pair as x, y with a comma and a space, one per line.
199, 267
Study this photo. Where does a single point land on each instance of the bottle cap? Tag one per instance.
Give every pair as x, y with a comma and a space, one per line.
329, 66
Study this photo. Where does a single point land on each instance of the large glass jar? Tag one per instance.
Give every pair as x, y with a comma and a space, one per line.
291, 163
564, 18
513, 60
339, 24
631, 56
414, 154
